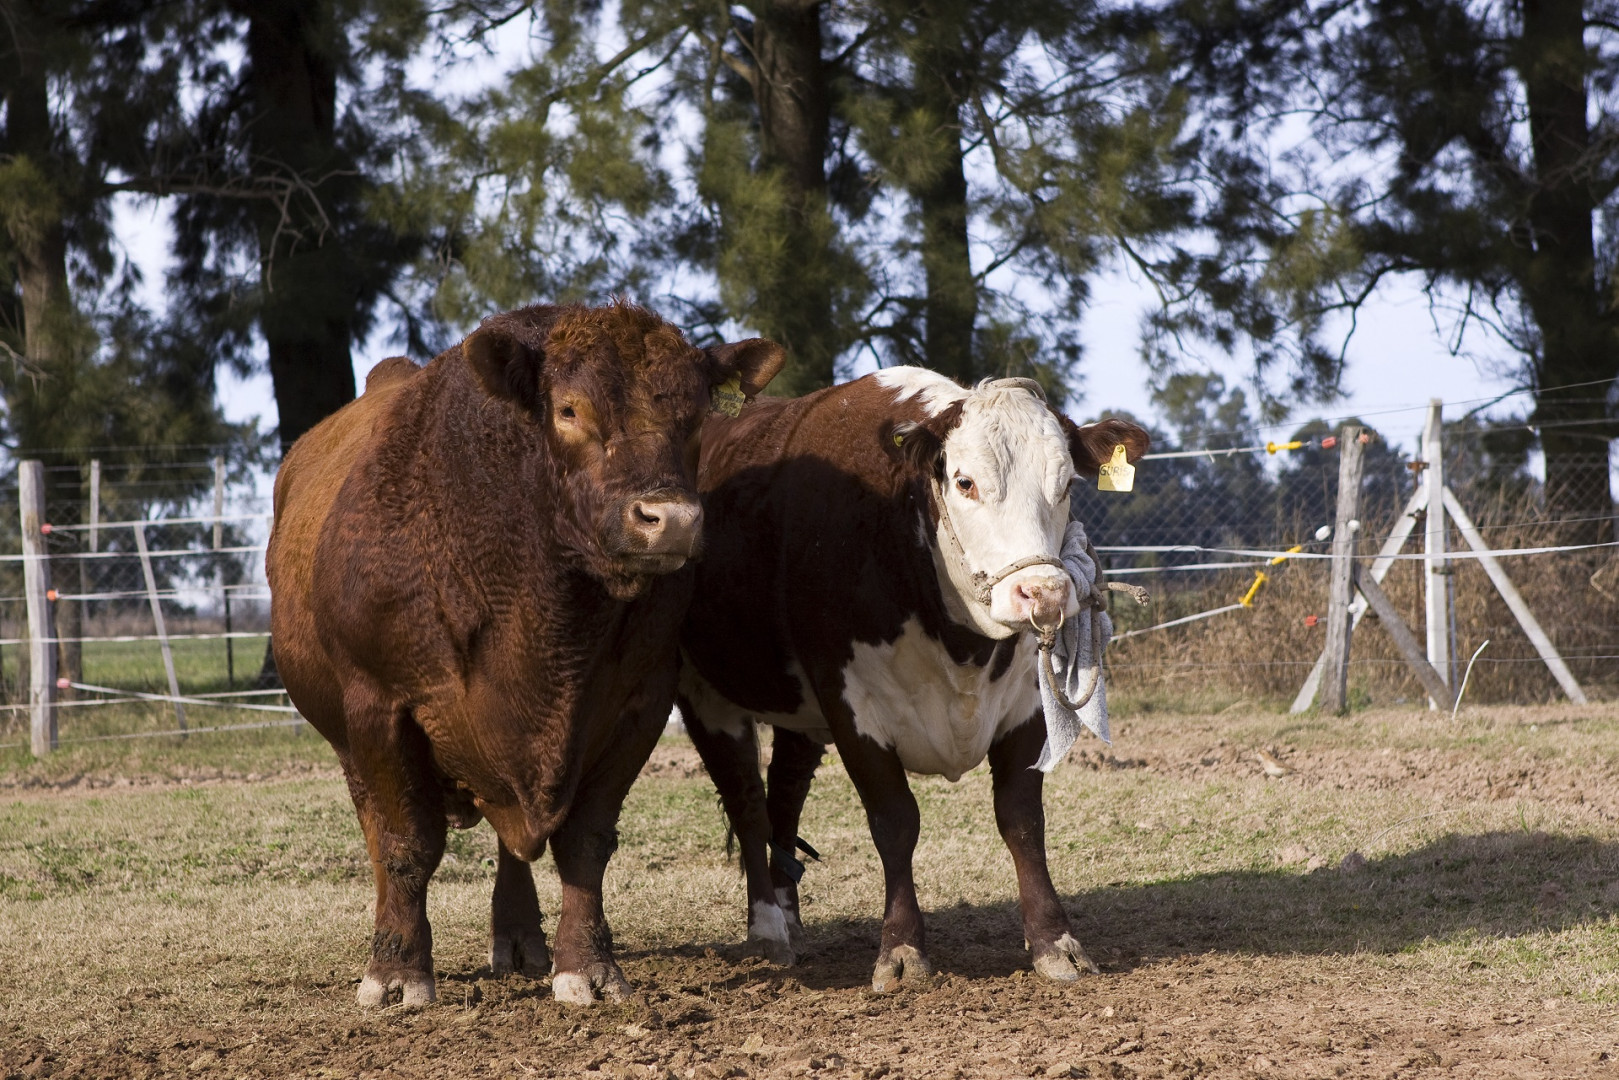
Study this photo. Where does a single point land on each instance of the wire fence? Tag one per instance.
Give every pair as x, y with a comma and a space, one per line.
157, 599
1202, 525
160, 607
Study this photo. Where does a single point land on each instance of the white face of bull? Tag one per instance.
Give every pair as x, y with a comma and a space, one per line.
1007, 470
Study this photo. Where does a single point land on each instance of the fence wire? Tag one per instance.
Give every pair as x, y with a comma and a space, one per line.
1197, 530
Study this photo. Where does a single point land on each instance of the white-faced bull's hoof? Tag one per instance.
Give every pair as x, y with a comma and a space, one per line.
1064, 960
522, 953
377, 988
902, 962
598, 982
768, 933
788, 902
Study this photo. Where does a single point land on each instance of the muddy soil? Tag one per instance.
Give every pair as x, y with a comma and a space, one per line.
716, 1013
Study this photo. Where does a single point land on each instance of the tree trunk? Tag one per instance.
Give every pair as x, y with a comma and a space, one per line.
34, 220
1577, 326
308, 287
794, 102
951, 305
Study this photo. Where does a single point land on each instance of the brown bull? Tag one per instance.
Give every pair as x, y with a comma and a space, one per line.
475, 600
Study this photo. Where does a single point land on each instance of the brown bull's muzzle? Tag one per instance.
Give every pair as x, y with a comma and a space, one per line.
664, 529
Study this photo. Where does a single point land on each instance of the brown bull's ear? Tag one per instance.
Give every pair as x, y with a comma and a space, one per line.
505, 366
753, 362
1092, 445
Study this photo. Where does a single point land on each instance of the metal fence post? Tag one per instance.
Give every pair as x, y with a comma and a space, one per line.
41, 628
157, 619
1335, 683
1436, 568
224, 589
85, 606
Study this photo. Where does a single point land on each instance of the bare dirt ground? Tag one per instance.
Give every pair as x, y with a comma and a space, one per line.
1415, 897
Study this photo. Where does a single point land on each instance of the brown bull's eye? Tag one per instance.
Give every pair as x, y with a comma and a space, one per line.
568, 413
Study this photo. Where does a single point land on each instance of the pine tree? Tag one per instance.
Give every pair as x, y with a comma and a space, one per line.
270, 173
89, 373
1490, 171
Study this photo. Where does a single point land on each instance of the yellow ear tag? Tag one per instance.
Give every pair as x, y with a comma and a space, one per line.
1118, 474
727, 397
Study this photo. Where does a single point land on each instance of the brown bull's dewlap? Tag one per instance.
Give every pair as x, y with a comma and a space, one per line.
727, 397
1118, 474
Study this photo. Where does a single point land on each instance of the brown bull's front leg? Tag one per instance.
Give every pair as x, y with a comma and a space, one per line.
584, 964
397, 799
1020, 814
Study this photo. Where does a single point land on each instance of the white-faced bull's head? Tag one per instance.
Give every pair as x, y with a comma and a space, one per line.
998, 462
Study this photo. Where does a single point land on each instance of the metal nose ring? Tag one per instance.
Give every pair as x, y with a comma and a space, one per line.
1047, 635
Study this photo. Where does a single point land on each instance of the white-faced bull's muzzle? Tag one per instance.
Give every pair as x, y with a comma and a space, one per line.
1031, 593
1037, 597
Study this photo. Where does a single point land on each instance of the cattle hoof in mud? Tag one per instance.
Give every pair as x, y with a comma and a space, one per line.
1065, 960
521, 953
599, 982
902, 962
415, 988
768, 932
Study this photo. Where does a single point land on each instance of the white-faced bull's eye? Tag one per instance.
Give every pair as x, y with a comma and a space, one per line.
965, 485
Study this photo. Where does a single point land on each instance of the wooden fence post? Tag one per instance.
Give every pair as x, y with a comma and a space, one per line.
1335, 681
1404, 640
1520, 610
1358, 607
41, 627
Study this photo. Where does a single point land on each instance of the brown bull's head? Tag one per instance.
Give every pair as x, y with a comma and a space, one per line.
620, 396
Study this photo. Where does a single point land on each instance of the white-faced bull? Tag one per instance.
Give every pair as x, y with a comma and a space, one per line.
880, 556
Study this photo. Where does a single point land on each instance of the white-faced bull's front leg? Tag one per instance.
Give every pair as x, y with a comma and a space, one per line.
896, 823
732, 761
1020, 815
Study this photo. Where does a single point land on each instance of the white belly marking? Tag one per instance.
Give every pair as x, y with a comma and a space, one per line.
939, 716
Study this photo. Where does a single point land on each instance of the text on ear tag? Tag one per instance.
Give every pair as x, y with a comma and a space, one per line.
1118, 474
727, 397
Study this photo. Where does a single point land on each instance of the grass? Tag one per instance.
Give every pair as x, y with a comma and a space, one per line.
201, 899
92, 736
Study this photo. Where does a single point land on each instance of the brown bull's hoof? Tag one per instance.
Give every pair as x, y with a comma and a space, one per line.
599, 982
902, 962
520, 953
415, 988
1065, 960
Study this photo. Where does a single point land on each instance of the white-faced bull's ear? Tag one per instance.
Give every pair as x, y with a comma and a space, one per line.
753, 363
915, 445
921, 445
507, 367
1092, 445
